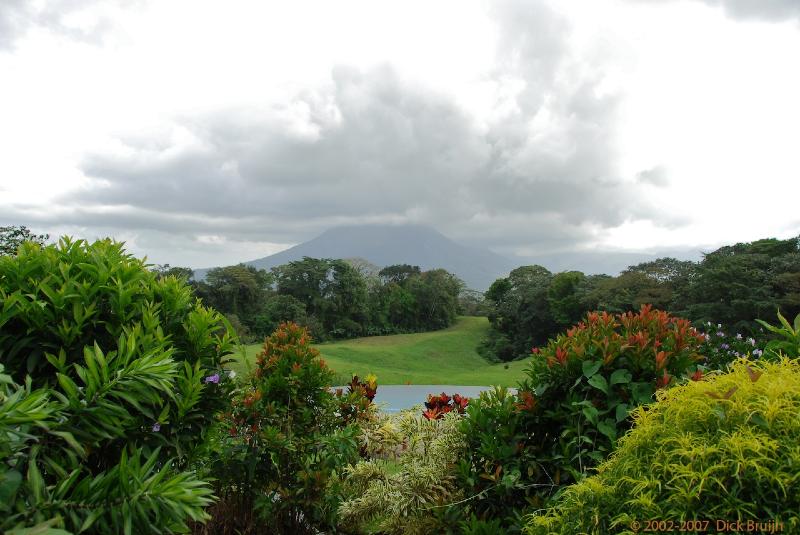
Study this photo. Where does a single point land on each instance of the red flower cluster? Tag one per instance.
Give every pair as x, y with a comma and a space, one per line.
437, 406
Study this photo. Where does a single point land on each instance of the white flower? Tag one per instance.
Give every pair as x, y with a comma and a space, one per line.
231, 374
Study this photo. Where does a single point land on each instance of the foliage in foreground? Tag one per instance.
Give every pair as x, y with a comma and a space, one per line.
569, 413
282, 447
410, 495
45, 481
122, 375
723, 448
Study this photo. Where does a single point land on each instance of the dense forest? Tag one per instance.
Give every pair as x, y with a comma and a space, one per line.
333, 298
732, 286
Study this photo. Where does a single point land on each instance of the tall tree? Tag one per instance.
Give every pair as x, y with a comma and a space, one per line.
13, 236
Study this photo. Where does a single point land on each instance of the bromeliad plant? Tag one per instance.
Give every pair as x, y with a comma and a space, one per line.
282, 446
572, 407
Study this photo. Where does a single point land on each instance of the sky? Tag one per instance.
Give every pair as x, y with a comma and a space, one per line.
206, 133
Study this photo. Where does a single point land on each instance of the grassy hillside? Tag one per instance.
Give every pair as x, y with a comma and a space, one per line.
440, 357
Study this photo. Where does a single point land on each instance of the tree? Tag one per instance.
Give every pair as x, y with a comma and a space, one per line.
566, 306
398, 273
165, 270
519, 313
13, 236
239, 290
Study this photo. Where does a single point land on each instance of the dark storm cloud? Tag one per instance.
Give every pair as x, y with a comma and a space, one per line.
374, 146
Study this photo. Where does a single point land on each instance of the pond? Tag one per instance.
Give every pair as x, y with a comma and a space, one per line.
395, 398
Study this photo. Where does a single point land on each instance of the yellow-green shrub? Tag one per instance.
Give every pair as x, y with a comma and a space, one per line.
726, 448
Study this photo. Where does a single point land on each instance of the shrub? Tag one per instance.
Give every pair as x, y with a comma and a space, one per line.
437, 406
408, 496
571, 409
725, 448
281, 448
128, 368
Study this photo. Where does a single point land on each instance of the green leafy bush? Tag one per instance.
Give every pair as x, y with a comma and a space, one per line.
126, 372
281, 448
572, 408
725, 448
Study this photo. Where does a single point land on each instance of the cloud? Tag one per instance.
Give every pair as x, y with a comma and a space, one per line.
769, 10
373, 145
765, 10
81, 20
656, 176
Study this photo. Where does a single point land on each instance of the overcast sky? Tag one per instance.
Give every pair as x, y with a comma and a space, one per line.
207, 132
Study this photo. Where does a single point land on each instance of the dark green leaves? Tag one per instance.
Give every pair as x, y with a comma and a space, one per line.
599, 382
590, 367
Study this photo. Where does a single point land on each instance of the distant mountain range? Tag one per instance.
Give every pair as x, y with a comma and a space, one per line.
386, 245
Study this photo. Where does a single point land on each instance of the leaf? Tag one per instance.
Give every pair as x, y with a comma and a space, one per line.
754, 375
760, 421
9, 483
621, 412
44, 528
599, 382
726, 395
591, 414
591, 367
642, 393
71, 441
608, 429
620, 376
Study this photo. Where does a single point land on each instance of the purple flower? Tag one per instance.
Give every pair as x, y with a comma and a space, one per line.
720, 333
212, 378
752, 341
156, 427
757, 352
724, 346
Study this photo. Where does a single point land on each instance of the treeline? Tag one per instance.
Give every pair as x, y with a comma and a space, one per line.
733, 286
334, 298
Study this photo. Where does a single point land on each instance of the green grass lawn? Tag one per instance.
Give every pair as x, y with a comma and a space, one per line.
440, 357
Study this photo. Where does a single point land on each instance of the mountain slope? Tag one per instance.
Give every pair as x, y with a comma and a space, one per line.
385, 245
